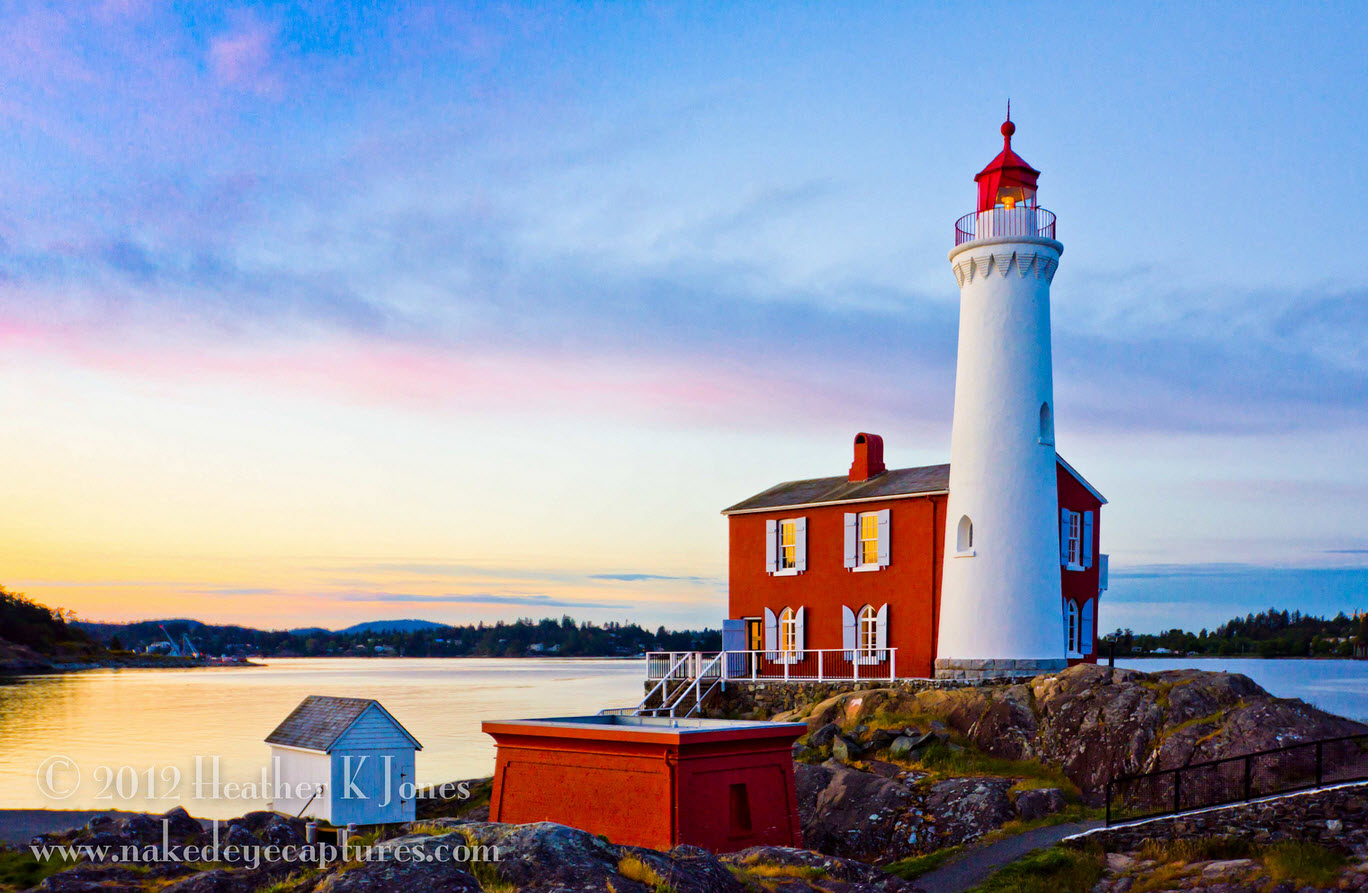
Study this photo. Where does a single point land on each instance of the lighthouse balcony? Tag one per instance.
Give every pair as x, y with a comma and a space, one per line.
1022, 220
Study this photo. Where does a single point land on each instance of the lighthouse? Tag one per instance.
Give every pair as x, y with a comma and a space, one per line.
1001, 612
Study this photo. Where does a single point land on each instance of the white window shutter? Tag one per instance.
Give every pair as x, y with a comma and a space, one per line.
1085, 628
884, 518
881, 628
800, 542
1102, 572
849, 633
1087, 539
771, 546
771, 631
798, 637
1065, 613
1064, 517
851, 541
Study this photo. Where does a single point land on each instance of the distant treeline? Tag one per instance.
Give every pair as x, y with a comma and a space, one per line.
45, 630
563, 638
1267, 634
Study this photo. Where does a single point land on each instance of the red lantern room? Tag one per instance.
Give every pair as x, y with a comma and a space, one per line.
1008, 180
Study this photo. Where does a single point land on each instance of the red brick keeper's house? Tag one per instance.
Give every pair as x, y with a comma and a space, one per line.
847, 570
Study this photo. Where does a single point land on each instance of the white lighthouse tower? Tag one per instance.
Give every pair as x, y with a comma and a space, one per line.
1001, 610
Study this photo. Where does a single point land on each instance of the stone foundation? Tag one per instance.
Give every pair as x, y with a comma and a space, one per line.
1335, 817
980, 669
746, 698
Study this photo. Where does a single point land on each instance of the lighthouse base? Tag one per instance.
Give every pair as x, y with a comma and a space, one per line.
970, 669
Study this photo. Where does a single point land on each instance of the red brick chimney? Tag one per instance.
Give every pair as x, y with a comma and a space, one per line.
868, 457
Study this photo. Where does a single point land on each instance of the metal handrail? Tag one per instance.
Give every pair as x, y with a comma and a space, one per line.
1023, 220
808, 665
1248, 780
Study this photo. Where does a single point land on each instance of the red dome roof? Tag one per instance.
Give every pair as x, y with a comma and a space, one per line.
1008, 169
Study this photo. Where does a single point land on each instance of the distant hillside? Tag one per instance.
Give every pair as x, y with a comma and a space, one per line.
391, 626
411, 638
32, 636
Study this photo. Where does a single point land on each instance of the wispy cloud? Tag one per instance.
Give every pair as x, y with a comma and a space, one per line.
647, 578
478, 598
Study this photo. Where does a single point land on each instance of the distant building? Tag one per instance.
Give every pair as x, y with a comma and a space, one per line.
343, 761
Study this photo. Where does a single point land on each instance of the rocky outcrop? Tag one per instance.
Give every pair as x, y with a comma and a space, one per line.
1095, 724
459, 856
889, 813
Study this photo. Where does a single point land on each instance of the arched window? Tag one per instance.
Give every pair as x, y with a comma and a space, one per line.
1046, 424
964, 539
868, 629
788, 631
1072, 611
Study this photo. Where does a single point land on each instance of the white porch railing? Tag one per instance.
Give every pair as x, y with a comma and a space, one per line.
809, 665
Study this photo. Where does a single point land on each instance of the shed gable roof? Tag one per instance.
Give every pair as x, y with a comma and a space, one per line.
894, 483
320, 721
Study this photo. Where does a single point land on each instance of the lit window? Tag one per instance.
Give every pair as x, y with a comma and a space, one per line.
869, 629
788, 631
869, 538
788, 545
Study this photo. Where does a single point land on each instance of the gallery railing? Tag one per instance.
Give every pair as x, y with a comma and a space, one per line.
1022, 220
1281, 770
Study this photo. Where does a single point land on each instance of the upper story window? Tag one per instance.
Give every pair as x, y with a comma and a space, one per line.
786, 546
867, 540
1075, 539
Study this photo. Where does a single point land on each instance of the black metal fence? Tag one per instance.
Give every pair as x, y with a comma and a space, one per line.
1023, 220
1281, 770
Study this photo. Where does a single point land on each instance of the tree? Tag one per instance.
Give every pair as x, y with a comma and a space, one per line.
115, 644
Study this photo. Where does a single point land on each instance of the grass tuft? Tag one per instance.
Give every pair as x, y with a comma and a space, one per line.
914, 867
1197, 849
1304, 864
1055, 870
20, 870
634, 869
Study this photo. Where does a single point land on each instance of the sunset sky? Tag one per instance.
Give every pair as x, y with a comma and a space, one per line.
312, 315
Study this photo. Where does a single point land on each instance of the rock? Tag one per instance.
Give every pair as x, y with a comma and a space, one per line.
142, 828
901, 747
393, 875
238, 836
1119, 862
282, 832
842, 818
844, 750
1334, 826
180, 823
223, 880
834, 874
822, 737
1039, 802
882, 769
91, 877
810, 781
882, 738
1226, 868
967, 808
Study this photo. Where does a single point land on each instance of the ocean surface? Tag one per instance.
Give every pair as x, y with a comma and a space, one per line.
154, 739
135, 735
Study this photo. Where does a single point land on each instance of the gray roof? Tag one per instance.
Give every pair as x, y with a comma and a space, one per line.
895, 482
319, 721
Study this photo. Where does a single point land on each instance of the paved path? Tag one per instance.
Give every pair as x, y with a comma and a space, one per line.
974, 866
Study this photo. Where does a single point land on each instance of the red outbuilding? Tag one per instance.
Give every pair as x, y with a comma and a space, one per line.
650, 782
840, 577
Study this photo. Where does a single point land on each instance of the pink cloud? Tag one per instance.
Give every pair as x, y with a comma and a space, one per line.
243, 58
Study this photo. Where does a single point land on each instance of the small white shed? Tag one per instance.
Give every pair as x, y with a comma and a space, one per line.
343, 760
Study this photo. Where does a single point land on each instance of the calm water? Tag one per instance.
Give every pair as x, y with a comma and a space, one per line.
161, 720
1336, 686
118, 725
